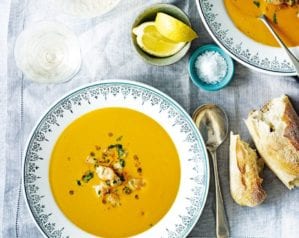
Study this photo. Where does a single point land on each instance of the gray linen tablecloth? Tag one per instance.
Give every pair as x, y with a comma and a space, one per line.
108, 54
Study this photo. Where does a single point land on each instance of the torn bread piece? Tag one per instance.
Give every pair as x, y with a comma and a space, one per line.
275, 131
244, 168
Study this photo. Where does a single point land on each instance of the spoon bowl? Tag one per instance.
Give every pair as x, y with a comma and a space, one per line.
212, 123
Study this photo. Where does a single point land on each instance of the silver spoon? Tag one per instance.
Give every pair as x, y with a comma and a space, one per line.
292, 57
212, 122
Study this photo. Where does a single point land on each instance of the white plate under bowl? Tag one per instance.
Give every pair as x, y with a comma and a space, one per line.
267, 59
194, 183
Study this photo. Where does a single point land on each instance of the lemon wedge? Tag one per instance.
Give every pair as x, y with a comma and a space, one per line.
153, 43
174, 29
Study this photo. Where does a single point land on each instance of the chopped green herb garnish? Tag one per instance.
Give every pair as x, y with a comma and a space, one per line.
119, 148
275, 18
120, 152
108, 183
87, 176
256, 3
127, 190
115, 146
79, 182
121, 177
119, 138
122, 163
99, 192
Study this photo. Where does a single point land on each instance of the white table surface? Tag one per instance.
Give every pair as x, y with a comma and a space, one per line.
107, 53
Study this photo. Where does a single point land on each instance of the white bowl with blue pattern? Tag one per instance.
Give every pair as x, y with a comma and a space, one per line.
194, 182
252, 54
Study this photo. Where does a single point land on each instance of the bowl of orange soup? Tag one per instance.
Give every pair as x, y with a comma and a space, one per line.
115, 159
235, 26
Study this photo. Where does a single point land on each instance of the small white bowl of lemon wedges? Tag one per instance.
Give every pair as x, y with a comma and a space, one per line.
162, 34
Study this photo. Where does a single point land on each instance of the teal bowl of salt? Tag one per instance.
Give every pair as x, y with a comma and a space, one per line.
210, 68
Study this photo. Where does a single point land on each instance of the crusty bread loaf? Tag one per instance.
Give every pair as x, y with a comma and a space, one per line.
244, 169
275, 131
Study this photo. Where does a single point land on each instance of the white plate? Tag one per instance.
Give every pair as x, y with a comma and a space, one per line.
194, 182
267, 59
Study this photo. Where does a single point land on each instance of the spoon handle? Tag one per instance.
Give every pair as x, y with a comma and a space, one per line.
222, 230
294, 60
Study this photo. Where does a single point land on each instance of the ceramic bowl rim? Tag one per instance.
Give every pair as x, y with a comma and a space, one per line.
142, 16
193, 74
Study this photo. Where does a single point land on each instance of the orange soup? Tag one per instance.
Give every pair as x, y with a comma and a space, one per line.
284, 18
114, 172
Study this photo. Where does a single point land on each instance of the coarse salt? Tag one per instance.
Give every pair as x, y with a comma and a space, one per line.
211, 67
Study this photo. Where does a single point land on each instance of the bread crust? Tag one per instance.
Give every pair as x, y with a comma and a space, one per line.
244, 168
291, 119
275, 131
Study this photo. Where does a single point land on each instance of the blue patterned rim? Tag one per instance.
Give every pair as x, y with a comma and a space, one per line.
81, 96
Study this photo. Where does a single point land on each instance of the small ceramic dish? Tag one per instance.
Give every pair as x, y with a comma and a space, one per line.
199, 81
149, 14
